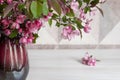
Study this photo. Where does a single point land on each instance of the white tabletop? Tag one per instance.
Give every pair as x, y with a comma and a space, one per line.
65, 65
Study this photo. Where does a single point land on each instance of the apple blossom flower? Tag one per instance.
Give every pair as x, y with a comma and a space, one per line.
85, 58
87, 28
30, 38
37, 24
82, 14
34, 26
20, 19
23, 40
9, 1
88, 60
91, 61
67, 10
5, 23
20, 30
68, 33
50, 14
15, 25
1, 1
47, 17
7, 32
74, 5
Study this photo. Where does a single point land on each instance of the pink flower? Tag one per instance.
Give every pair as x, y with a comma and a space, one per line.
1, 1
85, 58
88, 60
28, 24
37, 24
50, 14
15, 25
30, 38
45, 18
5, 23
82, 14
34, 26
74, 5
7, 32
9, 1
67, 10
68, 33
20, 19
91, 61
20, 30
23, 40
87, 28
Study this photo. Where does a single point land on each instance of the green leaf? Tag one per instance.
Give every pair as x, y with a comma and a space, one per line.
13, 34
80, 3
50, 22
86, 9
86, 1
73, 28
79, 25
35, 37
45, 8
36, 9
64, 18
2, 7
21, 6
58, 24
71, 13
54, 16
56, 6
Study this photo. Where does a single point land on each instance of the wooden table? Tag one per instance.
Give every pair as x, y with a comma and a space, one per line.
66, 65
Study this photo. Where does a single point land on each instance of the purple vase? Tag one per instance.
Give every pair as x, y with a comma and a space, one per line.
13, 61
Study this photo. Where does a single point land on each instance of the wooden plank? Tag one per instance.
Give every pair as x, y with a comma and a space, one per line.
65, 65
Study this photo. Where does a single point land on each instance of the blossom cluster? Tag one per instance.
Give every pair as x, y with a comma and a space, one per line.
21, 30
83, 16
19, 27
21, 20
89, 60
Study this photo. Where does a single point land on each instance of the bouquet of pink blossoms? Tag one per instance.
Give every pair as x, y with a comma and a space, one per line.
20, 20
